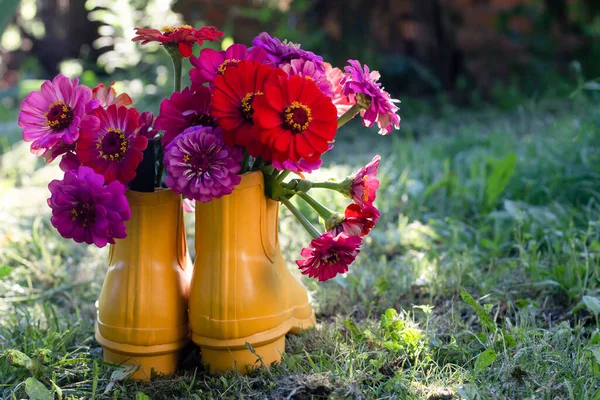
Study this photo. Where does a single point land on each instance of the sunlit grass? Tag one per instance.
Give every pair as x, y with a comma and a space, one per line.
502, 205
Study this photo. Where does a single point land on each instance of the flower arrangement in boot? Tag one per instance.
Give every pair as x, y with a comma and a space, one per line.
273, 107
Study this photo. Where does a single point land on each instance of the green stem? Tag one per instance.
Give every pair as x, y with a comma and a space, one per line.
348, 115
323, 211
177, 66
327, 185
245, 167
314, 233
282, 176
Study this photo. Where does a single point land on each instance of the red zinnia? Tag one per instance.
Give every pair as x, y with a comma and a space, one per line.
234, 94
183, 37
357, 221
115, 148
295, 119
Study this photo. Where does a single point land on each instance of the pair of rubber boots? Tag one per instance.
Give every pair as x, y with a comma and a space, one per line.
238, 292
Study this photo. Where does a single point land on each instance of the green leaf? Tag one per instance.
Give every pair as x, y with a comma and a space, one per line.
483, 316
595, 352
141, 396
484, 360
5, 270
592, 303
15, 357
36, 390
500, 172
119, 375
56, 389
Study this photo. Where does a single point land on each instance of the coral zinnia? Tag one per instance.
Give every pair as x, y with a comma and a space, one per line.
184, 109
234, 95
329, 255
342, 102
295, 119
182, 37
379, 107
201, 166
114, 149
212, 62
51, 118
85, 210
108, 97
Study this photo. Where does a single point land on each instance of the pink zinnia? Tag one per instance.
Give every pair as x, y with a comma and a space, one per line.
184, 109
85, 210
212, 62
362, 186
308, 69
329, 255
201, 166
51, 118
379, 106
106, 97
114, 149
339, 99
357, 221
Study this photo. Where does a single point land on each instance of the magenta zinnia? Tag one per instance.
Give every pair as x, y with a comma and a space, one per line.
329, 255
115, 148
212, 62
308, 69
85, 210
362, 186
184, 109
379, 106
51, 118
201, 166
357, 220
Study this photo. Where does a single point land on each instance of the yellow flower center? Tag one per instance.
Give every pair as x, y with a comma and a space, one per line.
167, 30
297, 117
112, 146
59, 116
227, 63
246, 104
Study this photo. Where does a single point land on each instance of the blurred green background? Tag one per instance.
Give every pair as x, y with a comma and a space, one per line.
471, 52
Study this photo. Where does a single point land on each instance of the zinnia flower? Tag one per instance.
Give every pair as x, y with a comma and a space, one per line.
362, 186
234, 95
279, 52
309, 70
295, 119
201, 166
146, 125
329, 255
85, 210
114, 149
357, 220
108, 97
51, 118
184, 109
212, 62
299, 166
339, 99
182, 37
69, 161
379, 106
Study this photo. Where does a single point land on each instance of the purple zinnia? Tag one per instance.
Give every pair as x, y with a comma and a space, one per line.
308, 69
201, 166
378, 106
85, 210
51, 118
279, 52
211, 62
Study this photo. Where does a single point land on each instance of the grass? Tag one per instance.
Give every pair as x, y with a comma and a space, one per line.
481, 281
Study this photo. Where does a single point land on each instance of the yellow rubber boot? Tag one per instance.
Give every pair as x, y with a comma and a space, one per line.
242, 291
142, 310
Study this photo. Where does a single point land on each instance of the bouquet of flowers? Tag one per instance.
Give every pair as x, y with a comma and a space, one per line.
273, 107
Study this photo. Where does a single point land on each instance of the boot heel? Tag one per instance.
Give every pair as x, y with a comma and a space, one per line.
242, 360
160, 363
